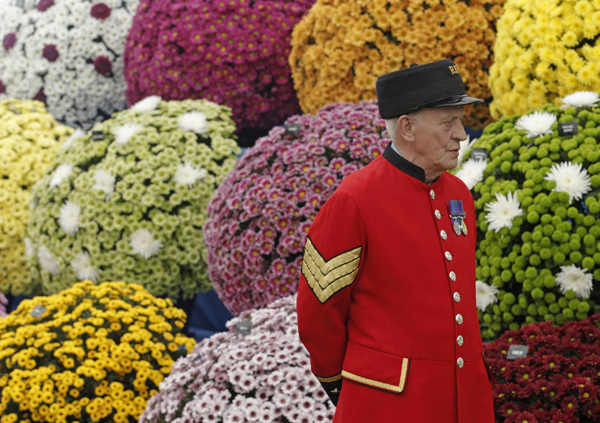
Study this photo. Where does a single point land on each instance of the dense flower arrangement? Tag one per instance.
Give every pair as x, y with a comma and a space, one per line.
260, 215
263, 376
29, 140
90, 353
231, 52
128, 200
544, 51
341, 47
68, 54
558, 382
538, 210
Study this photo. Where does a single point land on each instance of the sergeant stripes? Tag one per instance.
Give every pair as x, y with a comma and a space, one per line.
326, 277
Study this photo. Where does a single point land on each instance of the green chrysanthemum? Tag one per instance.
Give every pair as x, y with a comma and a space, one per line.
538, 205
128, 200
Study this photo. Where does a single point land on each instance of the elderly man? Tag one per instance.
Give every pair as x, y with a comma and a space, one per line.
386, 305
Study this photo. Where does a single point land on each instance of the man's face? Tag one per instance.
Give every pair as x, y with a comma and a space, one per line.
438, 134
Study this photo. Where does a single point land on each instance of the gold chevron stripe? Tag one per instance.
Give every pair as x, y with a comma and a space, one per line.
329, 379
326, 278
382, 385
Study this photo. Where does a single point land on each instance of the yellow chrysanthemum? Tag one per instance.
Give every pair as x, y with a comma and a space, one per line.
71, 356
342, 46
552, 42
29, 140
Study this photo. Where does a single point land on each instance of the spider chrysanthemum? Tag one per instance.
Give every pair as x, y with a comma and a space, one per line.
472, 172
485, 295
500, 213
571, 178
582, 99
536, 124
573, 278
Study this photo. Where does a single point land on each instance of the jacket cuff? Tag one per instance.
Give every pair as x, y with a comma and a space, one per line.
332, 386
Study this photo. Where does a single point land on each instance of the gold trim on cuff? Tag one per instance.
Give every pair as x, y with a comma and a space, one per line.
329, 379
382, 385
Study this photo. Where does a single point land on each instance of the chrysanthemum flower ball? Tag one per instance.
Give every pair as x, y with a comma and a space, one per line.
29, 140
68, 54
341, 47
128, 199
260, 215
98, 352
537, 198
231, 52
262, 375
545, 50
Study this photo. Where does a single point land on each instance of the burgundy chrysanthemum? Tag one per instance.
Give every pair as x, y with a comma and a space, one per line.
100, 11
50, 53
41, 96
2, 88
103, 65
9, 41
44, 5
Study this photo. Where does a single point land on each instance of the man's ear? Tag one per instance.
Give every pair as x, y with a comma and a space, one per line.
406, 128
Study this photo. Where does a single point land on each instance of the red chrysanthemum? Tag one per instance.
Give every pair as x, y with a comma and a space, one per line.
103, 65
44, 5
100, 11
9, 41
50, 53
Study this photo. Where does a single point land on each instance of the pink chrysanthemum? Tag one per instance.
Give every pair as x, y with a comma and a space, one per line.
231, 52
259, 218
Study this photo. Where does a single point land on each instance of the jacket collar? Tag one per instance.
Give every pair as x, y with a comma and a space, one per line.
404, 165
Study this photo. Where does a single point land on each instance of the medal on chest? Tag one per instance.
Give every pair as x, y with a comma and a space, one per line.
457, 215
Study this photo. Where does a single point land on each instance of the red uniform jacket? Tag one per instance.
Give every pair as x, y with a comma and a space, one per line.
387, 299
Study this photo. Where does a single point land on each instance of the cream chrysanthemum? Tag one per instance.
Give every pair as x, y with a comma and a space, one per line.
48, 262
536, 124
61, 173
82, 267
188, 175
142, 242
581, 99
124, 133
69, 217
571, 178
472, 172
501, 212
105, 182
147, 104
575, 279
193, 121
485, 295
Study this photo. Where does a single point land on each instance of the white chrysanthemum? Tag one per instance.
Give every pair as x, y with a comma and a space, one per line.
143, 243
48, 261
582, 99
61, 173
188, 175
464, 147
193, 121
83, 267
29, 248
571, 178
536, 124
575, 279
501, 212
124, 133
74, 136
69, 217
104, 181
472, 172
485, 295
147, 104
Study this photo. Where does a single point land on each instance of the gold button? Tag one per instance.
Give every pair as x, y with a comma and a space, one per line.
457, 297
444, 235
460, 362
438, 214
453, 276
448, 256
459, 319
460, 340
432, 193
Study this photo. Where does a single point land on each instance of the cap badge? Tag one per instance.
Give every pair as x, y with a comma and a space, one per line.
453, 69
457, 215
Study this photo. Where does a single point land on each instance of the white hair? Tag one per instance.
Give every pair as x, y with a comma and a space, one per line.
392, 124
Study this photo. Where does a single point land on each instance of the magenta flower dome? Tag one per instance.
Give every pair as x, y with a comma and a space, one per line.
260, 215
262, 375
232, 52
